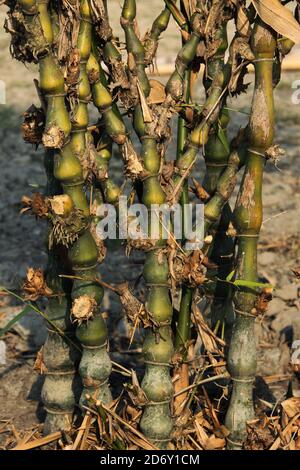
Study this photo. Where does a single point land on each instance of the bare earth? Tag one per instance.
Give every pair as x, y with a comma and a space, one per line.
22, 240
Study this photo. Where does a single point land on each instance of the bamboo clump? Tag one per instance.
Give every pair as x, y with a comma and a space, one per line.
80, 64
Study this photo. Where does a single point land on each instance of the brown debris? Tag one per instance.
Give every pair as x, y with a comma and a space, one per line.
120, 81
167, 173
263, 301
99, 242
61, 205
140, 244
89, 162
133, 166
27, 39
150, 48
100, 20
66, 229
246, 196
68, 24
83, 309
274, 153
35, 285
136, 395
33, 125
259, 436
296, 272
189, 269
199, 191
54, 137
37, 204
72, 72
157, 92
39, 364
135, 310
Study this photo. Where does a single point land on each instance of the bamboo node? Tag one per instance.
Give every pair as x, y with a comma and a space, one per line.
263, 59
159, 364
235, 379
59, 412
162, 402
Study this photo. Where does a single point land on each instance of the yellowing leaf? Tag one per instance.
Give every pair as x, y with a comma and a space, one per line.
279, 18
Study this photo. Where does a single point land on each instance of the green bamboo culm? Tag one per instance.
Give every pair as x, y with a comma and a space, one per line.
175, 86
95, 365
156, 422
40, 39
216, 154
184, 316
183, 327
103, 100
59, 356
113, 123
151, 39
198, 137
111, 130
248, 215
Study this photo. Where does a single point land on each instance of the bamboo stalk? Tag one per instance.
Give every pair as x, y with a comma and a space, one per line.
58, 389
216, 154
59, 356
156, 422
248, 220
95, 366
183, 332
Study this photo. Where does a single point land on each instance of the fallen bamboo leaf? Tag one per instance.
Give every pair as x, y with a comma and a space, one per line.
39, 442
131, 428
279, 18
291, 406
277, 441
208, 442
181, 384
81, 431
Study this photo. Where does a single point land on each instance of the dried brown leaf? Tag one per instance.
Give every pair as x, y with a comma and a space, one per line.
157, 92
279, 18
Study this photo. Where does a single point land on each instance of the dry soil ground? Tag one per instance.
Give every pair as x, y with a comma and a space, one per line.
22, 241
